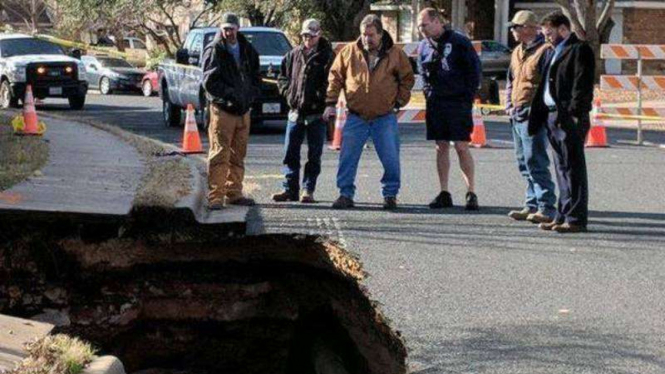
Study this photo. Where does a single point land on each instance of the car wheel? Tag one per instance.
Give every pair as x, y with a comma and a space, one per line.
205, 113
76, 102
172, 113
146, 87
105, 86
6, 98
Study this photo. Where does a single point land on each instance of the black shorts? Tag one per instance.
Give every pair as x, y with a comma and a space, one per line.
449, 120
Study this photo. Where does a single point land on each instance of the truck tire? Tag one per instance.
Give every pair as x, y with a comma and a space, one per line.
7, 100
76, 102
172, 113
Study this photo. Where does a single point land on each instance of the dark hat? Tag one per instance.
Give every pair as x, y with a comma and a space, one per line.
230, 20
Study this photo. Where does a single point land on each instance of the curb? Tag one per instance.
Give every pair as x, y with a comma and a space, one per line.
104, 365
194, 201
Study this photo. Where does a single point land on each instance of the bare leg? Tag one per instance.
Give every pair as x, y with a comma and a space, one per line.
443, 163
466, 164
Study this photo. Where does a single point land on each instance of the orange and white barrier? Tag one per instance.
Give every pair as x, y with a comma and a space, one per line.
632, 83
632, 51
656, 113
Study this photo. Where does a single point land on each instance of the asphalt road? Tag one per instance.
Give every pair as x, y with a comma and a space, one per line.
477, 292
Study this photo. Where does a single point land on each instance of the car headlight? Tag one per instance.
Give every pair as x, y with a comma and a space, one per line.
82, 73
16, 73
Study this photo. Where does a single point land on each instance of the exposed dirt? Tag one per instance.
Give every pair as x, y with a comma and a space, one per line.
20, 156
266, 304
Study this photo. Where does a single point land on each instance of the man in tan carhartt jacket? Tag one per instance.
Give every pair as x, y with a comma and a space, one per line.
377, 79
523, 79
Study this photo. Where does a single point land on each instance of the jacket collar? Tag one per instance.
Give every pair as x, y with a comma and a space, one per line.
323, 45
572, 40
386, 44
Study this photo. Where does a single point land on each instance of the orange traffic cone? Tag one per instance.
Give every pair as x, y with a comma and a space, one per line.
478, 137
597, 136
340, 120
191, 142
30, 122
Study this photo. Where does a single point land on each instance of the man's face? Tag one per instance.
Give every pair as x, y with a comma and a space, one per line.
523, 33
230, 34
310, 41
553, 34
429, 28
370, 37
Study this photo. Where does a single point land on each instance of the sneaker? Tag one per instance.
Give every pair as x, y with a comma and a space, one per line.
242, 201
307, 198
539, 217
547, 226
566, 227
285, 196
471, 201
342, 202
390, 203
442, 200
520, 215
216, 205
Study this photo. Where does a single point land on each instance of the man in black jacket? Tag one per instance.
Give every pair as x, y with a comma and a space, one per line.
303, 81
232, 80
562, 104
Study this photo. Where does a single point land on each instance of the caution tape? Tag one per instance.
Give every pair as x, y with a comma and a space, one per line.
629, 117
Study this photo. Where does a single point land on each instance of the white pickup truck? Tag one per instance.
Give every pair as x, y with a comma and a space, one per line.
181, 80
25, 60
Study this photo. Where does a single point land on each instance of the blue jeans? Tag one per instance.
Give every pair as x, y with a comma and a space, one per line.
295, 135
385, 137
533, 163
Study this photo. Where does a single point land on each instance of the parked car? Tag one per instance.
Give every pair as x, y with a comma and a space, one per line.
110, 74
181, 80
135, 48
43, 65
495, 58
150, 83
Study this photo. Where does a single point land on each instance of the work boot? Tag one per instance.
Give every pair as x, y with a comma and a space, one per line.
285, 196
343, 202
242, 201
520, 215
566, 227
216, 205
539, 217
471, 201
390, 203
547, 226
442, 200
307, 197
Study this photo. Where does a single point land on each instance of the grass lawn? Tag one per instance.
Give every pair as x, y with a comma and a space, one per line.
20, 156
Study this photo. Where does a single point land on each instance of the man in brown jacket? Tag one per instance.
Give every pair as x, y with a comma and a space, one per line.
531, 151
377, 79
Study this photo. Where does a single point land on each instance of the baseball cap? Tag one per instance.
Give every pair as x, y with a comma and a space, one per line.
230, 20
523, 18
311, 27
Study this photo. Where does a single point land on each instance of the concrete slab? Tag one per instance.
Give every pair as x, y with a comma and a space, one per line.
88, 171
14, 333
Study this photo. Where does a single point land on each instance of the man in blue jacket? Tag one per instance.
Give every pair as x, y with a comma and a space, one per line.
451, 72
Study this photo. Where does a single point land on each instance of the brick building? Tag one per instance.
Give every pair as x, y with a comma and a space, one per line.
635, 21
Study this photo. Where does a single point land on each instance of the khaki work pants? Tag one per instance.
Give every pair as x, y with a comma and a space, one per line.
228, 135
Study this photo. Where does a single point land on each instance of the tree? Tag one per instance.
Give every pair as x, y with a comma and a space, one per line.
29, 11
338, 13
589, 24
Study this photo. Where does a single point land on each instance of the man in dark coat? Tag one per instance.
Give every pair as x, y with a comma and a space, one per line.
450, 68
562, 104
232, 80
303, 81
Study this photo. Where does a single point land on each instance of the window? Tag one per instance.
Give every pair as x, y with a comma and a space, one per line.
138, 44
28, 46
268, 43
111, 62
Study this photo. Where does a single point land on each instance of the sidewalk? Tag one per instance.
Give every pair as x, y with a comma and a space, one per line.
88, 171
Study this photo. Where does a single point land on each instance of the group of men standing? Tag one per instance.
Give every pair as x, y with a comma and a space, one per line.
550, 88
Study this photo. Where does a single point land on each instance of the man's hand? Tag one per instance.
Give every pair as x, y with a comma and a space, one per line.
329, 113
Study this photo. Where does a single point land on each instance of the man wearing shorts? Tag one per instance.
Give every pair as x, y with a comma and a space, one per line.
450, 69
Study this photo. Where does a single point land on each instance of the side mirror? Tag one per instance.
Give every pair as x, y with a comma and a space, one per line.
181, 56
76, 53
